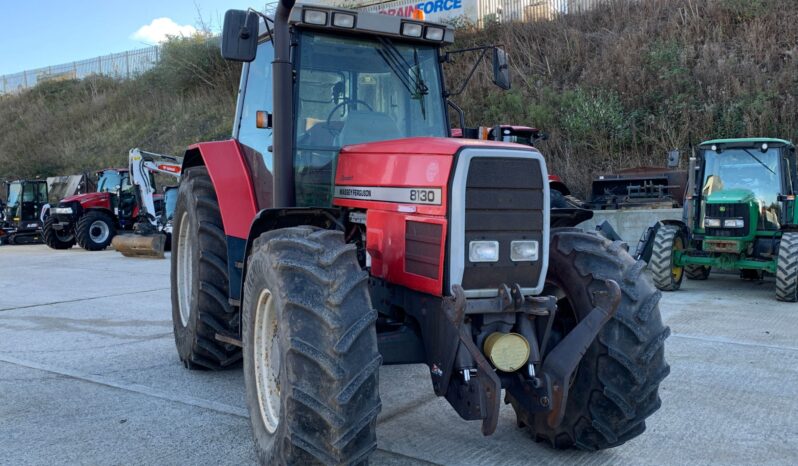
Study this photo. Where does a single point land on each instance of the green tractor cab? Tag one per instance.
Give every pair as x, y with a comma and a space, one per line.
739, 214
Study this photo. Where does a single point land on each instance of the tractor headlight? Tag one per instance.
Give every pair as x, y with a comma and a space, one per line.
434, 33
733, 223
62, 210
483, 251
521, 251
315, 17
711, 223
411, 29
343, 20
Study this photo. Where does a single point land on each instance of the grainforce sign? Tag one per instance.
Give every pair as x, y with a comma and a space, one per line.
434, 10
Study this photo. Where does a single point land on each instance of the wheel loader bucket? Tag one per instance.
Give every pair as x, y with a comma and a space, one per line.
140, 246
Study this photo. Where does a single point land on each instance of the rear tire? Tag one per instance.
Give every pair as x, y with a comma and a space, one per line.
200, 285
787, 268
697, 272
311, 362
616, 385
57, 239
667, 277
95, 230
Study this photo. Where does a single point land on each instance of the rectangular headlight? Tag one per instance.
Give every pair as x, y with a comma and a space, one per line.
315, 17
711, 222
62, 210
411, 29
483, 251
343, 20
733, 223
523, 251
434, 33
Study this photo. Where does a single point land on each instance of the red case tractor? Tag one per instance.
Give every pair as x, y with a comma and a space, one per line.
92, 220
341, 229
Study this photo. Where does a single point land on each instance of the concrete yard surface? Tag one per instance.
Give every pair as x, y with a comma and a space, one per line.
89, 375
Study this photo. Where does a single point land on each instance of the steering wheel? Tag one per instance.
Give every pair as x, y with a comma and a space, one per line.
345, 102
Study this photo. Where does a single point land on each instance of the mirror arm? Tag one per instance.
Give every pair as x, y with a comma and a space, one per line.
460, 112
473, 68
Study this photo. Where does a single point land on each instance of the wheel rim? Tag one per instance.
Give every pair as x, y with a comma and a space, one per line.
99, 231
184, 269
676, 271
267, 361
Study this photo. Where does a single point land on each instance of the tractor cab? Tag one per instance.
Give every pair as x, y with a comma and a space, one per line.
744, 186
24, 201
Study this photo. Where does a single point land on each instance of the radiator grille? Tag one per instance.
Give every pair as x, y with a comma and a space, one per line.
504, 202
724, 211
423, 248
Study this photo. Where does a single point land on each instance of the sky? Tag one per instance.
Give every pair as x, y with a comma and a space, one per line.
37, 33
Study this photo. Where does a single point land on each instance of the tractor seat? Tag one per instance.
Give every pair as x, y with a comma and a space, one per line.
364, 126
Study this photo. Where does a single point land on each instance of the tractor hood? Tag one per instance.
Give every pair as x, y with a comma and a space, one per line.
731, 196
426, 146
87, 198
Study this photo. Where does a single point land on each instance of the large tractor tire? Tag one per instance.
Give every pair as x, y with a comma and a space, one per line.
787, 268
57, 239
667, 276
311, 362
200, 285
94, 230
615, 387
697, 272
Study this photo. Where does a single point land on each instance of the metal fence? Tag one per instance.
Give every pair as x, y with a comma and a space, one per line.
118, 65
498, 11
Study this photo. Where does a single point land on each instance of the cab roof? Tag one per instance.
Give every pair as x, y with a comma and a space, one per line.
745, 141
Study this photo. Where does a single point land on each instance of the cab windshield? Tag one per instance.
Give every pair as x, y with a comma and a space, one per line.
14, 193
747, 169
356, 90
110, 181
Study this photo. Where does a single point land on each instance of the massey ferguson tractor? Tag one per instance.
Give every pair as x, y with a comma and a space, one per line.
341, 229
740, 215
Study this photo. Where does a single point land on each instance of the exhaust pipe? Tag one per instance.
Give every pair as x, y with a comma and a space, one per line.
283, 142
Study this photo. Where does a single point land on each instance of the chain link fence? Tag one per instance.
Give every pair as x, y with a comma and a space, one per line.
118, 65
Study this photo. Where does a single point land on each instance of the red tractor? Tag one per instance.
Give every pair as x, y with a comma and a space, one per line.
92, 220
341, 229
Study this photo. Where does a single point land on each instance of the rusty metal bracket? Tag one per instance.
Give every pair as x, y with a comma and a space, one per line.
561, 362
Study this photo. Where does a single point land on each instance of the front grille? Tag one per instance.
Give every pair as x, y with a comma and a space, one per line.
504, 202
724, 211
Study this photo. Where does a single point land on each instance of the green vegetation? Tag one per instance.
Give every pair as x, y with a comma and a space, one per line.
615, 87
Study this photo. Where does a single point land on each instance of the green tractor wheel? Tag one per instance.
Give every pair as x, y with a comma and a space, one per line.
667, 275
697, 272
787, 268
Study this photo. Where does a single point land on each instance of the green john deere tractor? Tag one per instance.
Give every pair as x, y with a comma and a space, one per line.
740, 214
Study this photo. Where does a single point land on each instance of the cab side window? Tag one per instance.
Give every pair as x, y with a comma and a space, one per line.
258, 97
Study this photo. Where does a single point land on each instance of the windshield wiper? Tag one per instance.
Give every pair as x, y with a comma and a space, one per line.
757, 159
391, 55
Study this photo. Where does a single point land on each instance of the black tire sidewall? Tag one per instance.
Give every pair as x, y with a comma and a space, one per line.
83, 230
184, 334
260, 277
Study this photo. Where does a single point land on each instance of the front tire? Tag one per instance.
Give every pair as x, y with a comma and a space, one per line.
57, 239
697, 272
666, 274
200, 285
310, 350
615, 387
95, 230
787, 268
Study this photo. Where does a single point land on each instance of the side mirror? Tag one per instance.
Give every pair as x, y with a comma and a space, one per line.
674, 157
501, 71
240, 35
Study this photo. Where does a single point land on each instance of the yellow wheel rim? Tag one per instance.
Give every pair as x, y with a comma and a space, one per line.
676, 271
